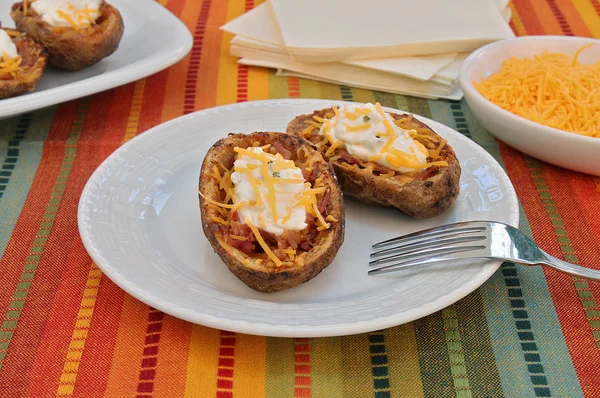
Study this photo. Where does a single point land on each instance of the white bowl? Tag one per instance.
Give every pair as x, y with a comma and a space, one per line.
568, 150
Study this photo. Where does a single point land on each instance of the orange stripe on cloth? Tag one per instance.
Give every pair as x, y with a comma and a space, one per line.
543, 12
250, 361
174, 96
573, 318
174, 348
227, 83
203, 363
567, 10
80, 333
258, 83
129, 346
589, 11
524, 13
516, 24
206, 87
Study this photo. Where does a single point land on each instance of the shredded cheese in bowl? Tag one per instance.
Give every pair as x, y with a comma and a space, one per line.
553, 89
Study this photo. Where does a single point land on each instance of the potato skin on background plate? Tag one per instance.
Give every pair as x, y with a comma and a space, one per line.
33, 63
419, 195
72, 49
264, 275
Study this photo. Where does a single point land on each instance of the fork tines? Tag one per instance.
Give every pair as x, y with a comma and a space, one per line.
427, 246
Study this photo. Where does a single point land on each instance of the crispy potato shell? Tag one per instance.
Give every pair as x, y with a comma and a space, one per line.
69, 48
33, 62
427, 194
264, 275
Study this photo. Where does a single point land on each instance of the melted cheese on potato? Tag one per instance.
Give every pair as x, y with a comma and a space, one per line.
371, 134
68, 13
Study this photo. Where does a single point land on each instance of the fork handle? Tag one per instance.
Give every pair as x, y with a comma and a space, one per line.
571, 269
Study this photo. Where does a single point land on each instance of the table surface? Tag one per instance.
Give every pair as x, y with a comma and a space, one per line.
67, 330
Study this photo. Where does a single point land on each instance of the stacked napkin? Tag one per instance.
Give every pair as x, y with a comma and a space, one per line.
398, 46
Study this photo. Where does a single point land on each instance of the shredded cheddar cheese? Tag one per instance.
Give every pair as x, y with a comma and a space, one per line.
553, 89
10, 65
263, 244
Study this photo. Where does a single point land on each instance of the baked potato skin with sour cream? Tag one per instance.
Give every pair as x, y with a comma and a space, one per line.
34, 59
68, 48
430, 192
265, 276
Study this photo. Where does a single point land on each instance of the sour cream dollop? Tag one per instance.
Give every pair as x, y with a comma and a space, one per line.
7, 46
269, 184
371, 134
68, 13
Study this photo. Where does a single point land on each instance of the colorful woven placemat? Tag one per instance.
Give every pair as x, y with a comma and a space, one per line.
67, 330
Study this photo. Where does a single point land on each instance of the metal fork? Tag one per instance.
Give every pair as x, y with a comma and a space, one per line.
467, 240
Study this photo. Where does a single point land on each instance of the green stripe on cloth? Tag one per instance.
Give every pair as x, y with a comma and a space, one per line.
279, 366
363, 96
326, 367
21, 176
12, 315
405, 376
556, 360
309, 88
13, 149
7, 128
433, 357
357, 368
477, 347
278, 86
454, 343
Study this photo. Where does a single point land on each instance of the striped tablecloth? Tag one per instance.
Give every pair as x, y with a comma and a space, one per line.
68, 330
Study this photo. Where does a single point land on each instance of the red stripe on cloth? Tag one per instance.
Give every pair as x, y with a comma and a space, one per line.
58, 255
195, 58
242, 71
62, 314
150, 357
529, 17
302, 377
226, 364
574, 324
293, 87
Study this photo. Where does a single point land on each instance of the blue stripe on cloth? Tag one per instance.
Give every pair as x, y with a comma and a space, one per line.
22, 172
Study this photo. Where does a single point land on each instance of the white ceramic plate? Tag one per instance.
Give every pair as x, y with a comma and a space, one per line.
139, 219
154, 39
568, 150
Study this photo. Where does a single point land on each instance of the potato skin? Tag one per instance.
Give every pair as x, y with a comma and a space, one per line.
70, 49
266, 277
26, 80
421, 198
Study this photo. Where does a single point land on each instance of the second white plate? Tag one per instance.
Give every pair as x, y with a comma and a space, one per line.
154, 39
140, 221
